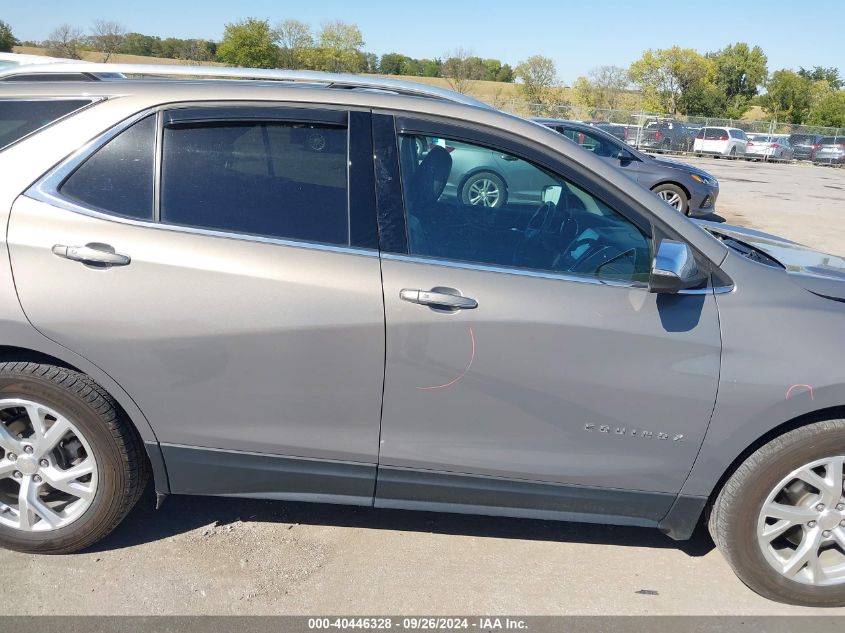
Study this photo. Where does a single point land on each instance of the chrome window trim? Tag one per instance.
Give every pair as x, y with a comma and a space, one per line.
46, 190
522, 272
538, 274
40, 195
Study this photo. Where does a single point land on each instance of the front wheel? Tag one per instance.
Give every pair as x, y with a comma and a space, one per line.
779, 520
71, 466
484, 189
674, 196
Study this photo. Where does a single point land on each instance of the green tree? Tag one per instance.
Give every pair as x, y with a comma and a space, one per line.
505, 74
819, 73
788, 96
140, 44
665, 75
393, 64
250, 43
739, 72
294, 38
829, 110
339, 50
7, 40
538, 75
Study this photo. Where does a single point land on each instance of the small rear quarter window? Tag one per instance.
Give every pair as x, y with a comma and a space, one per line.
22, 117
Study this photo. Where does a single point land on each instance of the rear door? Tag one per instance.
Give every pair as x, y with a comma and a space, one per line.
221, 264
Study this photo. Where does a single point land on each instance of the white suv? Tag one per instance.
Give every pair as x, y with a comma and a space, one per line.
725, 141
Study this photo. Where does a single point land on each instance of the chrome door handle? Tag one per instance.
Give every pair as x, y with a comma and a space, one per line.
98, 254
446, 298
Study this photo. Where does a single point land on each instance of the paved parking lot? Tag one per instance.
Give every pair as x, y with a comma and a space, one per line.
230, 556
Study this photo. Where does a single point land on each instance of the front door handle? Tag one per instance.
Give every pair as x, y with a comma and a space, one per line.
444, 298
93, 253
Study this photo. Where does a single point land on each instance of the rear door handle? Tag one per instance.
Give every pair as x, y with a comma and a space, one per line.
93, 253
446, 298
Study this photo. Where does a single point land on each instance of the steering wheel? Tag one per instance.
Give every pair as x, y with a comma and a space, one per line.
528, 248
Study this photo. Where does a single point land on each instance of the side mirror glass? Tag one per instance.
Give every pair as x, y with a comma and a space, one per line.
551, 193
674, 268
624, 156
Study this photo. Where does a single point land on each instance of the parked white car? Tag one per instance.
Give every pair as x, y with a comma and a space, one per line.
724, 141
774, 147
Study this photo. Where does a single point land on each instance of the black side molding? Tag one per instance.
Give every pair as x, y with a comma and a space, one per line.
208, 471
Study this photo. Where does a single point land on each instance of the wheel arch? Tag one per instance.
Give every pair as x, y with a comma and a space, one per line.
68, 360
676, 184
819, 415
689, 511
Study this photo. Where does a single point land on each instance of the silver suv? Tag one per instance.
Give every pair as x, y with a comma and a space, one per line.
256, 288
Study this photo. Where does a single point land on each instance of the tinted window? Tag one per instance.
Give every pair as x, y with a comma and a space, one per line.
118, 178
19, 118
591, 142
737, 134
715, 133
271, 179
830, 140
474, 204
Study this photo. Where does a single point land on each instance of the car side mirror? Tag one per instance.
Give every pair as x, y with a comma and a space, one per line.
624, 156
674, 268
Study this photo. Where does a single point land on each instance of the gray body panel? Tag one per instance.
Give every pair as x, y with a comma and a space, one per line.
558, 381
770, 375
224, 343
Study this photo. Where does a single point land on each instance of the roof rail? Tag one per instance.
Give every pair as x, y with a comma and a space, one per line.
112, 72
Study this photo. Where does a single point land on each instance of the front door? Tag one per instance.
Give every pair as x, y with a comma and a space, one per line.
236, 297
529, 370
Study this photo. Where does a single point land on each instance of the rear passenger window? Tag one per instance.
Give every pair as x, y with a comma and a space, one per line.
118, 178
21, 117
274, 179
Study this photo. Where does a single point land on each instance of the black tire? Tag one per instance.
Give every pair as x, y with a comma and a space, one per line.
733, 152
733, 517
123, 470
667, 187
492, 178
666, 146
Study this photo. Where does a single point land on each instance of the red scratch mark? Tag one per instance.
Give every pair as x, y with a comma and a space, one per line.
808, 387
463, 373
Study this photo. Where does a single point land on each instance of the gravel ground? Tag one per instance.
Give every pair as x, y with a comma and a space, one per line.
230, 556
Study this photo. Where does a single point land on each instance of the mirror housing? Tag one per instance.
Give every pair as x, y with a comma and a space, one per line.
674, 268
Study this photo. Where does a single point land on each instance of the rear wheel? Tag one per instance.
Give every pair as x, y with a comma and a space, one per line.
733, 152
780, 518
674, 196
71, 466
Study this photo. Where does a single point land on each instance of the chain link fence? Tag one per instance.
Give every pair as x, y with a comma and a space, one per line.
767, 141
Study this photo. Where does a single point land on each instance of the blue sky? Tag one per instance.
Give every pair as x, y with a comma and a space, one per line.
577, 35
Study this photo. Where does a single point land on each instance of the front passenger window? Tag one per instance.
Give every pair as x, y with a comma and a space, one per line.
470, 203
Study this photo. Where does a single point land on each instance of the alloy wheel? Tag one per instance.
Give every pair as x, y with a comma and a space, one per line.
484, 192
801, 526
48, 473
672, 198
